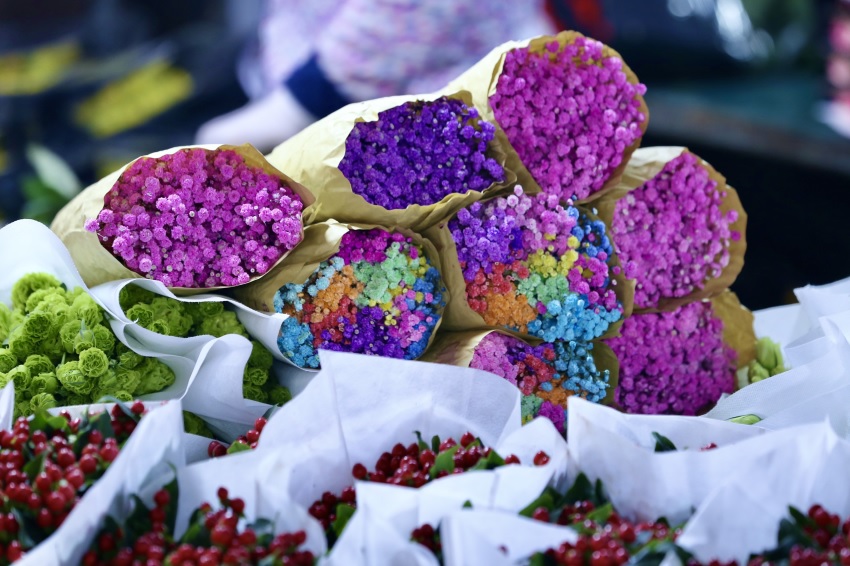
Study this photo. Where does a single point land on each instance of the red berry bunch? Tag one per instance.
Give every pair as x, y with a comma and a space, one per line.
247, 441
214, 537
411, 466
429, 537
818, 536
46, 464
605, 538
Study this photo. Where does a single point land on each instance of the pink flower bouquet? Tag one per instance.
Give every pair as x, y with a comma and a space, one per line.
571, 108
194, 218
674, 218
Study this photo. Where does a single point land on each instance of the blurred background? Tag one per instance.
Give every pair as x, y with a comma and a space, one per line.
759, 88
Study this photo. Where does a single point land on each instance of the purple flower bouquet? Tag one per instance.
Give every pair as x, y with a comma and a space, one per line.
192, 218
676, 220
400, 161
681, 362
571, 108
362, 289
547, 374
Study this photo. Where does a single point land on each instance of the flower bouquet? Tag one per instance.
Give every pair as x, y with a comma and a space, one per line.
192, 218
683, 227
408, 161
74, 470
681, 362
571, 108
547, 374
529, 265
361, 289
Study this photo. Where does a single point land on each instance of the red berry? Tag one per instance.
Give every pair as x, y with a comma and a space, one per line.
541, 458
252, 436
467, 439
222, 494
161, 498
42, 482
95, 437
260, 424
14, 552
221, 535
138, 408
88, 464
74, 476
216, 449
512, 459
541, 514
65, 457
359, 471
44, 518
238, 505
55, 501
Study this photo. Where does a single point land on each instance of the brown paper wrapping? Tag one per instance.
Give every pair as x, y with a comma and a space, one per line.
645, 164
481, 80
97, 264
460, 316
457, 348
738, 330
321, 241
313, 156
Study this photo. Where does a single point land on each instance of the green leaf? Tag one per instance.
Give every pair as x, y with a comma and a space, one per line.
124, 408
237, 447
467, 504
435, 443
29, 533
421, 443
601, 514
444, 462
35, 466
652, 554
139, 521
663, 444
53, 171
344, 513
101, 422
173, 490
264, 529
539, 559
492, 461
547, 500
197, 534
271, 411
47, 423
745, 419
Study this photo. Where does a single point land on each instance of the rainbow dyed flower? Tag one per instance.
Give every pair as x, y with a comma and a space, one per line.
673, 362
419, 153
536, 267
570, 113
198, 218
547, 375
673, 229
378, 295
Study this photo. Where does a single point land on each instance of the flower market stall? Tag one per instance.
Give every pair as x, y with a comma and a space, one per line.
476, 326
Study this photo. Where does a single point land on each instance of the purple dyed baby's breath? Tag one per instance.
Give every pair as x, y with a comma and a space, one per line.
420, 152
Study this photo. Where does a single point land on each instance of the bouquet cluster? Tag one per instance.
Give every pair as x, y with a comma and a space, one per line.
547, 375
536, 267
171, 317
674, 230
419, 152
199, 218
60, 350
572, 113
673, 362
378, 294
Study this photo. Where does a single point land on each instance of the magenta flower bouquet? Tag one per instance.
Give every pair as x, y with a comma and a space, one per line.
192, 218
547, 374
676, 220
681, 362
571, 108
408, 161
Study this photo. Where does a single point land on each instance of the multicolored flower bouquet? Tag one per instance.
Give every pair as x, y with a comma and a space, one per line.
571, 108
681, 362
361, 289
529, 265
676, 219
408, 161
192, 218
546, 374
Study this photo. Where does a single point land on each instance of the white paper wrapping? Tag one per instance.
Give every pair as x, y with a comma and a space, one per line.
743, 516
154, 447
379, 532
7, 406
242, 474
478, 537
795, 387
263, 327
359, 406
645, 485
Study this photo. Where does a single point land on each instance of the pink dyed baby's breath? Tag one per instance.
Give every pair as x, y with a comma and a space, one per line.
189, 219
